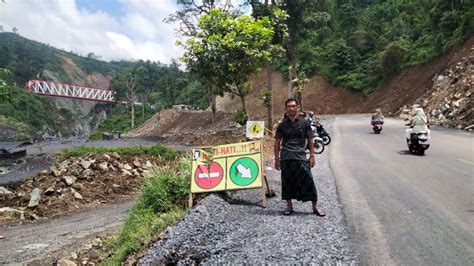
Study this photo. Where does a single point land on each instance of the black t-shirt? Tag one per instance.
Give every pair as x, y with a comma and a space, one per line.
294, 135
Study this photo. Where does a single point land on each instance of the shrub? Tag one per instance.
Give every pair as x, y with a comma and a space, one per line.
392, 60
157, 150
160, 205
241, 117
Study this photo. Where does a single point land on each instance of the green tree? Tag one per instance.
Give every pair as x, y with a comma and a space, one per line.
271, 10
298, 11
300, 83
126, 87
392, 60
6, 81
187, 16
234, 48
143, 88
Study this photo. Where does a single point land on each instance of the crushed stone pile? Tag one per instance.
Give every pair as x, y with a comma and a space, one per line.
73, 184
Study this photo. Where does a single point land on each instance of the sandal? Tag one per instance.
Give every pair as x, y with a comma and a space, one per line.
319, 212
288, 211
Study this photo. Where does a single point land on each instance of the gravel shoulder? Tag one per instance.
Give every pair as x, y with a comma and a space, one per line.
240, 231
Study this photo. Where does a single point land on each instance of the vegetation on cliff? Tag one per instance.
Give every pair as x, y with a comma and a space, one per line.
358, 44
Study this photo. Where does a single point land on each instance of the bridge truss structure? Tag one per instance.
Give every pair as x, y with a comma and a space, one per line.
57, 89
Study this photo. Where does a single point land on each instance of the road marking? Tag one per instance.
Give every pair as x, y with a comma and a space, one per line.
464, 161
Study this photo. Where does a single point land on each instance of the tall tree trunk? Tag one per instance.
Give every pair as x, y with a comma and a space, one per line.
270, 91
132, 111
143, 108
242, 99
301, 101
212, 103
214, 108
291, 74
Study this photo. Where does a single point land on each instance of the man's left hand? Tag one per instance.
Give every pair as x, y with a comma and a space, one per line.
312, 162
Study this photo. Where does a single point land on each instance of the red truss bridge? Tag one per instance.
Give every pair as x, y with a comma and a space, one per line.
57, 89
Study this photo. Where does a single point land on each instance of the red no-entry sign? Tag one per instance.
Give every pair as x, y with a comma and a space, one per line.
207, 178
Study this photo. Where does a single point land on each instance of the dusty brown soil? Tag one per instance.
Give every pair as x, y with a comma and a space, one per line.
191, 128
319, 96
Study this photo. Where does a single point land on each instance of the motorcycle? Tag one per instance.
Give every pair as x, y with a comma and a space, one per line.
418, 143
322, 133
377, 126
318, 142
318, 145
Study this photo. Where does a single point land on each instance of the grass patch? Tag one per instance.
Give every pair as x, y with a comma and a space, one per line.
120, 123
20, 131
157, 150
161, 204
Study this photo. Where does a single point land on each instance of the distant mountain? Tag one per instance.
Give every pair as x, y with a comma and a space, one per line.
29, 116
28, 59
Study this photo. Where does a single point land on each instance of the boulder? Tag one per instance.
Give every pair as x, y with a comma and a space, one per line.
4, 191
103, 167
66, 262
86, 164
69, 180
35, 197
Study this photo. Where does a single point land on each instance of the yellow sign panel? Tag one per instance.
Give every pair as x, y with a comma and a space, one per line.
226, 167
254, 129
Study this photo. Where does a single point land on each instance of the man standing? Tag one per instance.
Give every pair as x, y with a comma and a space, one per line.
296, 178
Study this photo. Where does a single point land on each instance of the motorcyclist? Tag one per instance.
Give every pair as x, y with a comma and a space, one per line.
310, 118
377, 117
418, 124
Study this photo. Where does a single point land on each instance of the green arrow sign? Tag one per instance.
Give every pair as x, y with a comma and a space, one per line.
244, 171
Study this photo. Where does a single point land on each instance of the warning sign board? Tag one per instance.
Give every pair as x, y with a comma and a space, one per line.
227, 167
254, 129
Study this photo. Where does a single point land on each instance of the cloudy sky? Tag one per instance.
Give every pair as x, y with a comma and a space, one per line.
111, 29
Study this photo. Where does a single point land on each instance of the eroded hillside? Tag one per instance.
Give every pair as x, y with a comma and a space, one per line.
443, 87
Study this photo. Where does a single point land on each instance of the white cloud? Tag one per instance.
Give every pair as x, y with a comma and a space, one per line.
120, 42
139, 34
141, 25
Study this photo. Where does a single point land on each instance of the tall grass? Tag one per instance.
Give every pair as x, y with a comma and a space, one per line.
161, 204
157, 150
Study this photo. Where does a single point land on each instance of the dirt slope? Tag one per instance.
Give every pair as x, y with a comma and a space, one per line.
190, 127
319, 96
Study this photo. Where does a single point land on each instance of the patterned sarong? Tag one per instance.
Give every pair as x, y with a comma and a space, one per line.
297, 181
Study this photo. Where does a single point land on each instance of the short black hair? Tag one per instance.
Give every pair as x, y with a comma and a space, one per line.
290, 100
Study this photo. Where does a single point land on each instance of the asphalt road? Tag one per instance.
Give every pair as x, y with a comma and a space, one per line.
403, 208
